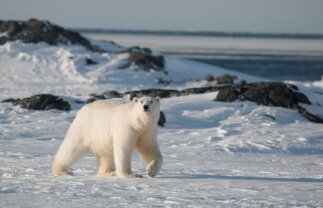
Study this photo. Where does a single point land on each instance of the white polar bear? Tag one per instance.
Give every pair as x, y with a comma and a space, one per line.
111, 131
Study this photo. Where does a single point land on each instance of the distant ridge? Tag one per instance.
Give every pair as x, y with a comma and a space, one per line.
202, 33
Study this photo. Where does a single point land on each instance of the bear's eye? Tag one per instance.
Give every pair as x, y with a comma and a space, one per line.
142, 102
151, 101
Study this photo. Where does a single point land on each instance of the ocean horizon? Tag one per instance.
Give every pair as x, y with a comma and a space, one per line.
275, 56
201, 33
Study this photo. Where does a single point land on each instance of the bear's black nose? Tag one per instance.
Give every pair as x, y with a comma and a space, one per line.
146, 107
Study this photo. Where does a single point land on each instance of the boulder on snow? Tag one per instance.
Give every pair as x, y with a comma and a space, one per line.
144, 58
269, 94
89, 61
264, 93
112, 94
200, 90
106, 95
162, 119
35, 31
41, 102
162, 93
209, 78
95, 97
162, 81
226, 79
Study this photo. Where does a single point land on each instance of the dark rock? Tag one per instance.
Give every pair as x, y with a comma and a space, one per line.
43, 102
162, 93
112, 94
162, 119
209, 78
89, 61
95, 97
276, 94
271, 117
79, 101
35, 31
10, 100
144, 58
243, 82
226, 79
91, 100
99, 97
309, 116
269, 94
162, 81
227, 94
200, 90
264, 93
256, 96
300, 97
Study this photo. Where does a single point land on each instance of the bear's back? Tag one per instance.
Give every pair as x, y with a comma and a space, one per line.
103, 108
107, 105
100, 115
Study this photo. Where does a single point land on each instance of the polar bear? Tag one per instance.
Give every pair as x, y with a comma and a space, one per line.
112, 131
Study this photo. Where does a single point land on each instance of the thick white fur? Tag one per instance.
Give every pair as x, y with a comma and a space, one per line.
111, 131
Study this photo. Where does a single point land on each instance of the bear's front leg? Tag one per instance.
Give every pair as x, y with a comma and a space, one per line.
123, 164
148, 149
122, 151
154, 166
106, 165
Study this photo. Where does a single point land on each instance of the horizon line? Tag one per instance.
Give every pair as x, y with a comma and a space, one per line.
202, 33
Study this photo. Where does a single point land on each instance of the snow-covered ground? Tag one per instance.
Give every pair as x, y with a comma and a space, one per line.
216, 154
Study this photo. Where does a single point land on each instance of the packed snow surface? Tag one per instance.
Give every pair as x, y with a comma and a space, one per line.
215, 154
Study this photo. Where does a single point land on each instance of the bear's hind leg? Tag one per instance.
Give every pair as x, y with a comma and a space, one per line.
66, 155
106, 165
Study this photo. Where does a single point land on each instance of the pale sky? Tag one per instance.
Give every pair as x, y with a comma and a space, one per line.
273, 16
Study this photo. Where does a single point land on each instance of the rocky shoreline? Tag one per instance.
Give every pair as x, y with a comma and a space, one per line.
276, 94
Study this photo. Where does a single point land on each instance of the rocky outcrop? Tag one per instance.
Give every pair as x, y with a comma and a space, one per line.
162, 93
144, 58
224, 79
269, 94
41, 102
36, 31
162, 119
264, 93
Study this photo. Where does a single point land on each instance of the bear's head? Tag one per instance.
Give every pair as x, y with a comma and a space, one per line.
147, 106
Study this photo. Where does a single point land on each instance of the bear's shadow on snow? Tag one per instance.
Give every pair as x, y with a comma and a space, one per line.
244, 178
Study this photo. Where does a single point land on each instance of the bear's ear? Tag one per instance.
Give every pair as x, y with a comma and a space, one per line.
157, 99
135, 99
